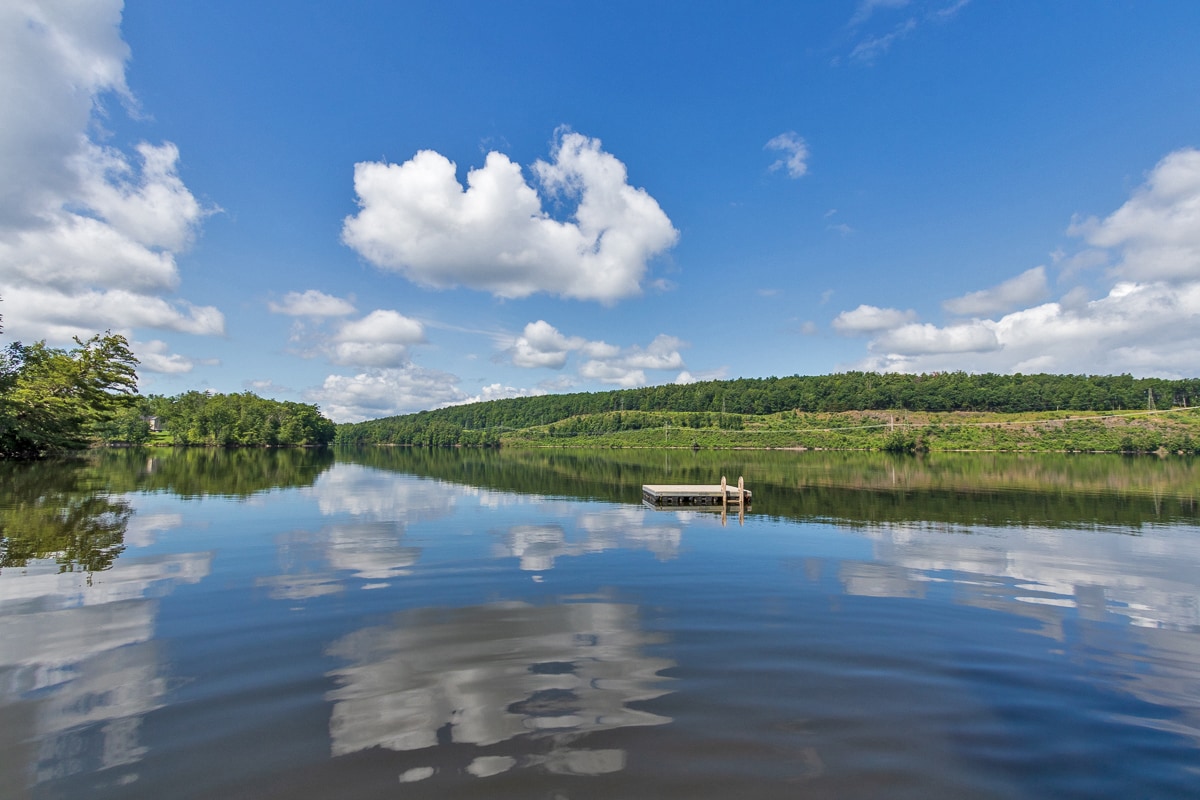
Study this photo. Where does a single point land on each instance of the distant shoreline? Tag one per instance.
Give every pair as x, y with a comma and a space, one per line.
1159, 432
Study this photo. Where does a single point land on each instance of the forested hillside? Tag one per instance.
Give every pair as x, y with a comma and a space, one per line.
721, 404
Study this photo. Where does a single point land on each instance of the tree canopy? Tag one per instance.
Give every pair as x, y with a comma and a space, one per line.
227, 420
52, 399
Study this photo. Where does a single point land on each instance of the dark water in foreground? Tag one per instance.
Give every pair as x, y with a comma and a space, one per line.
391, 623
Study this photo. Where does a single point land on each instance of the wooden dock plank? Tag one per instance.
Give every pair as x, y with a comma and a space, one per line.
678, 494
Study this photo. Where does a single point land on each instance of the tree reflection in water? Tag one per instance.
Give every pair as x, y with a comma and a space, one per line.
52, 510
75, 512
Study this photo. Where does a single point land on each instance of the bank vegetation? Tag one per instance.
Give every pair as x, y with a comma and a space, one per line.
850, 411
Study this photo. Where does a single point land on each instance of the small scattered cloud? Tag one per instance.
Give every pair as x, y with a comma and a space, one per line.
498, 391
837, 227
155, 356
376, 393
383, 338
868, 50
870, 319
950, 10
866, 8
874, 28
541, 345
496, 235
795, 154
267, 387
686, 376
1027, 288
312, 303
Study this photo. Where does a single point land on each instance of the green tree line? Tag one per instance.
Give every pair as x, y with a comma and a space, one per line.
221, 420
721, 404
55, 400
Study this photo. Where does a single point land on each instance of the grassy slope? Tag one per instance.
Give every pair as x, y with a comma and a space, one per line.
1063, 431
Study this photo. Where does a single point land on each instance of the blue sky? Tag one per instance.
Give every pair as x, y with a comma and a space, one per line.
382, 207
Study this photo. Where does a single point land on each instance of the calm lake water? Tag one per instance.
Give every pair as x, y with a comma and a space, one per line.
396, 623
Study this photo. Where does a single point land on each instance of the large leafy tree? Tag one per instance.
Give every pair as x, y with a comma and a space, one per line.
53, 399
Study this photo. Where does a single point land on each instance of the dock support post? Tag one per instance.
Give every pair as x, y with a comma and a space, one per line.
741, 492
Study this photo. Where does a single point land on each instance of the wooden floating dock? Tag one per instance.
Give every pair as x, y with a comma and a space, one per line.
693, 495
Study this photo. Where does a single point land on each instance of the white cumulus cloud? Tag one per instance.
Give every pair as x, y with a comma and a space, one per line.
869, 319
58, 316
88, 233
380, 339
542, 345
1157, 231
915, 338
1145, 321
494, 235
1139, 328
1028, 287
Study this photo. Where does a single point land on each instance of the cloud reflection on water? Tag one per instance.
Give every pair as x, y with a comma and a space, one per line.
79, 667
1083, 590
539, 545
485, 675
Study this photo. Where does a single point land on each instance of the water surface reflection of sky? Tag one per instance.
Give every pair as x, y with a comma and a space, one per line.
79, 666
1082, 590
376, 614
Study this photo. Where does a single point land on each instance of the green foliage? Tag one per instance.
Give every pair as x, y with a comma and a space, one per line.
729, 405
232, 420
54, 400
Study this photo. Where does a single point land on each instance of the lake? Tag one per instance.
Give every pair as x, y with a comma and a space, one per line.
492, 624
